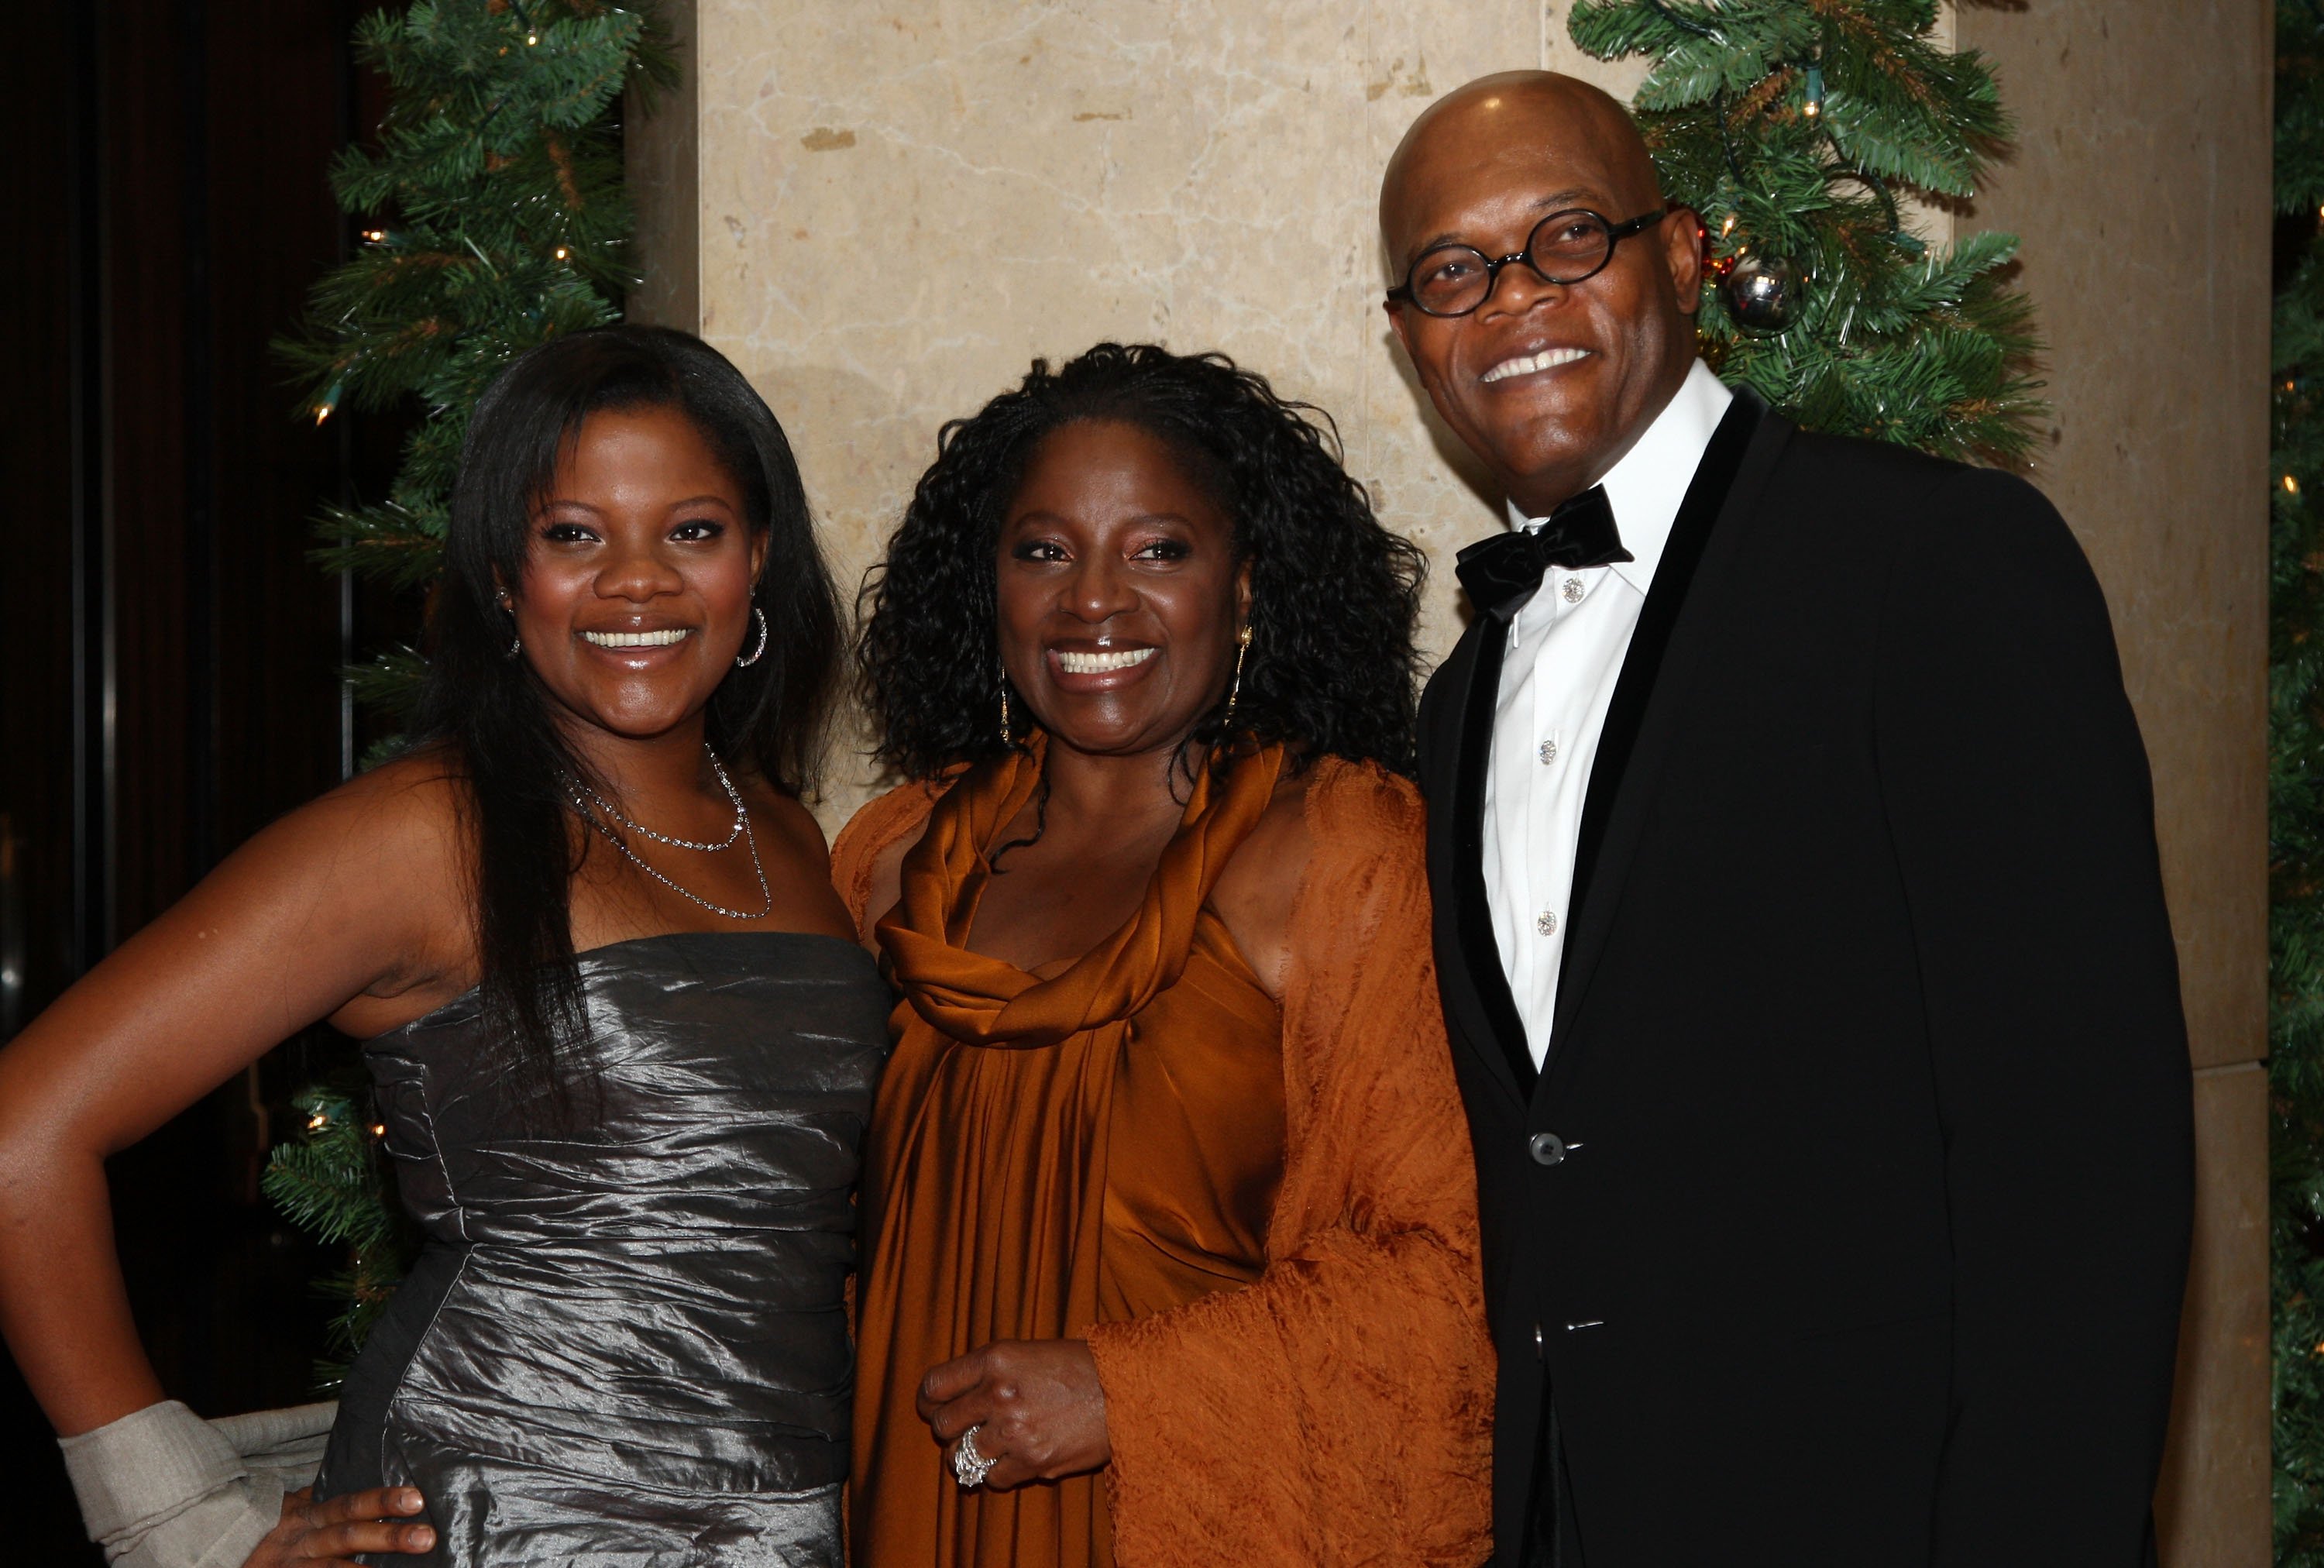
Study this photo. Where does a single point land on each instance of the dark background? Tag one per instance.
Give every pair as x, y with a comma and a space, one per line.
170, 651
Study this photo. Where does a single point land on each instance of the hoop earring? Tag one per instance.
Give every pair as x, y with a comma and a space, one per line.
761, 616
1243, 646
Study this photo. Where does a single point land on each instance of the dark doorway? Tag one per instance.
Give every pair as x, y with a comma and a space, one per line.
171, 650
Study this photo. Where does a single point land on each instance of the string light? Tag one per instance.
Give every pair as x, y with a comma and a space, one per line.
2291, 486
317, 1121
533, 38
561, 253
379, 1130
1815, 92
376, 236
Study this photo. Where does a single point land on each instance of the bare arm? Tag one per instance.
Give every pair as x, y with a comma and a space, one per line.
349, 908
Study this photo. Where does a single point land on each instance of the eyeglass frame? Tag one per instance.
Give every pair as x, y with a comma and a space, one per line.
1616, 233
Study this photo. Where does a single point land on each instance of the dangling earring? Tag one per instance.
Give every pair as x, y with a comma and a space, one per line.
761, 616
516, 642
1007, 737
1243, 646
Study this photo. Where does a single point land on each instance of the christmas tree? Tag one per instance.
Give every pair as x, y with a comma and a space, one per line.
491, 217
1791, 128
2296, 802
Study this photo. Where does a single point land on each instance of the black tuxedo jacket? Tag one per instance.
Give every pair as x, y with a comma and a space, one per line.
1848, 1220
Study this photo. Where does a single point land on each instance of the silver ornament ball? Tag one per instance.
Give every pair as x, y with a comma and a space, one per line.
1762, 293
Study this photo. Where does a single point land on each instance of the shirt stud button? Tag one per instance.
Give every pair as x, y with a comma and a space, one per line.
1545, 923
1572, 589
1546, 751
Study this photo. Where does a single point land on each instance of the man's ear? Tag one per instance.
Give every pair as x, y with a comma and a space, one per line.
1396, 320
1681, 236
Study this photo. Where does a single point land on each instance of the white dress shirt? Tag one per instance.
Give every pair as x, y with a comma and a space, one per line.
1565, 651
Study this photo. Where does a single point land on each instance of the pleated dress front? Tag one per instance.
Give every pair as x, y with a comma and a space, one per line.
1258, 1210
1051, 1154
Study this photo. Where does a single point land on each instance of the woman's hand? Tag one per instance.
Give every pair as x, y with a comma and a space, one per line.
332, 1533
1037, 1404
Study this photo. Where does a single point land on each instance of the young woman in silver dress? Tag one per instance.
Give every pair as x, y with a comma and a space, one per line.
623, 1042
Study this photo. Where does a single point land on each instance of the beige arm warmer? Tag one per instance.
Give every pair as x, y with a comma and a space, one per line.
161, 1488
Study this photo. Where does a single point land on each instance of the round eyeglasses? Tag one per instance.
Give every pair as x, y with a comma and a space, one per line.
1565, 247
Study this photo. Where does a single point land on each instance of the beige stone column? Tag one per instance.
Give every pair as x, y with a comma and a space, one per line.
882, 212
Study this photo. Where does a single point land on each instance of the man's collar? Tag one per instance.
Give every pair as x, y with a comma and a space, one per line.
1649, 484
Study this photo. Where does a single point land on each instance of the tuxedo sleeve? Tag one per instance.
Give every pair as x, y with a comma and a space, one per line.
2021, 814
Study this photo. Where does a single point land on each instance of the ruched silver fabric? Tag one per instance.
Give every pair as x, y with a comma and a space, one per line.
625, 1342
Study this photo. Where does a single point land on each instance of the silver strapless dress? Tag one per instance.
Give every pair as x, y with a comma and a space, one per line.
627, 1344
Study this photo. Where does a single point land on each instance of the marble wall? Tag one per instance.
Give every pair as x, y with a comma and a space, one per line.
900, 205
883, 211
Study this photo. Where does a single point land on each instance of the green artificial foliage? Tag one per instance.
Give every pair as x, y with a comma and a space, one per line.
491, 217
1790, 126
330, 1181
2296, 803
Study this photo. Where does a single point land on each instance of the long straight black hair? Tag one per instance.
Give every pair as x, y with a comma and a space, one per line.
487, 712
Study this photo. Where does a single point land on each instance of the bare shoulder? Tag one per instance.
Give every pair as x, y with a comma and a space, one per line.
1339, 830
786, 820
1255, 894
1274, 852
356, 899
393, 848
383, 835
1333, 814
793, 857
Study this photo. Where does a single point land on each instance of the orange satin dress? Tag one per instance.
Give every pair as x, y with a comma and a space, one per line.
1047, 1155
1103, 1153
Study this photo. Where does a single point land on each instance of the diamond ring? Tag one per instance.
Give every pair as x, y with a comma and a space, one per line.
968, 1466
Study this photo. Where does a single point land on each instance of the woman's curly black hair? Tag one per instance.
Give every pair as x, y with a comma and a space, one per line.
1331, 669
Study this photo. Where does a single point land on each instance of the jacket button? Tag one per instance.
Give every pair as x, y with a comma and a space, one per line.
1546, 1148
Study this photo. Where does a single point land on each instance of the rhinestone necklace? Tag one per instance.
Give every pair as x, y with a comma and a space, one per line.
581, 797
607, 808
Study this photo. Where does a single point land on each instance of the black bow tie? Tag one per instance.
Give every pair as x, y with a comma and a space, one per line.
1580, 533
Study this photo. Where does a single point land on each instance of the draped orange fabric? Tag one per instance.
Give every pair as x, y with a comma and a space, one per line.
1285, 1312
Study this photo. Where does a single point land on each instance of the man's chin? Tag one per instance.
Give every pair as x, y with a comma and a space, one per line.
1534, 462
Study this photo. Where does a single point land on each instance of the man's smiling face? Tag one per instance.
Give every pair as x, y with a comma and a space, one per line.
1549, 383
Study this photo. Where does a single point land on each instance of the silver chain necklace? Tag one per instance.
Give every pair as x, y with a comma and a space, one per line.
742, 817
582, 795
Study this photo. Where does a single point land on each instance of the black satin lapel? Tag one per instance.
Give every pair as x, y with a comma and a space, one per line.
1630, 749
1483, 977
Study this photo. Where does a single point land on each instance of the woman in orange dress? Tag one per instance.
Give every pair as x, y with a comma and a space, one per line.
1170, 1237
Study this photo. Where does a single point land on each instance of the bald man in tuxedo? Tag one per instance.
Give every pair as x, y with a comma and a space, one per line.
1798, 922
